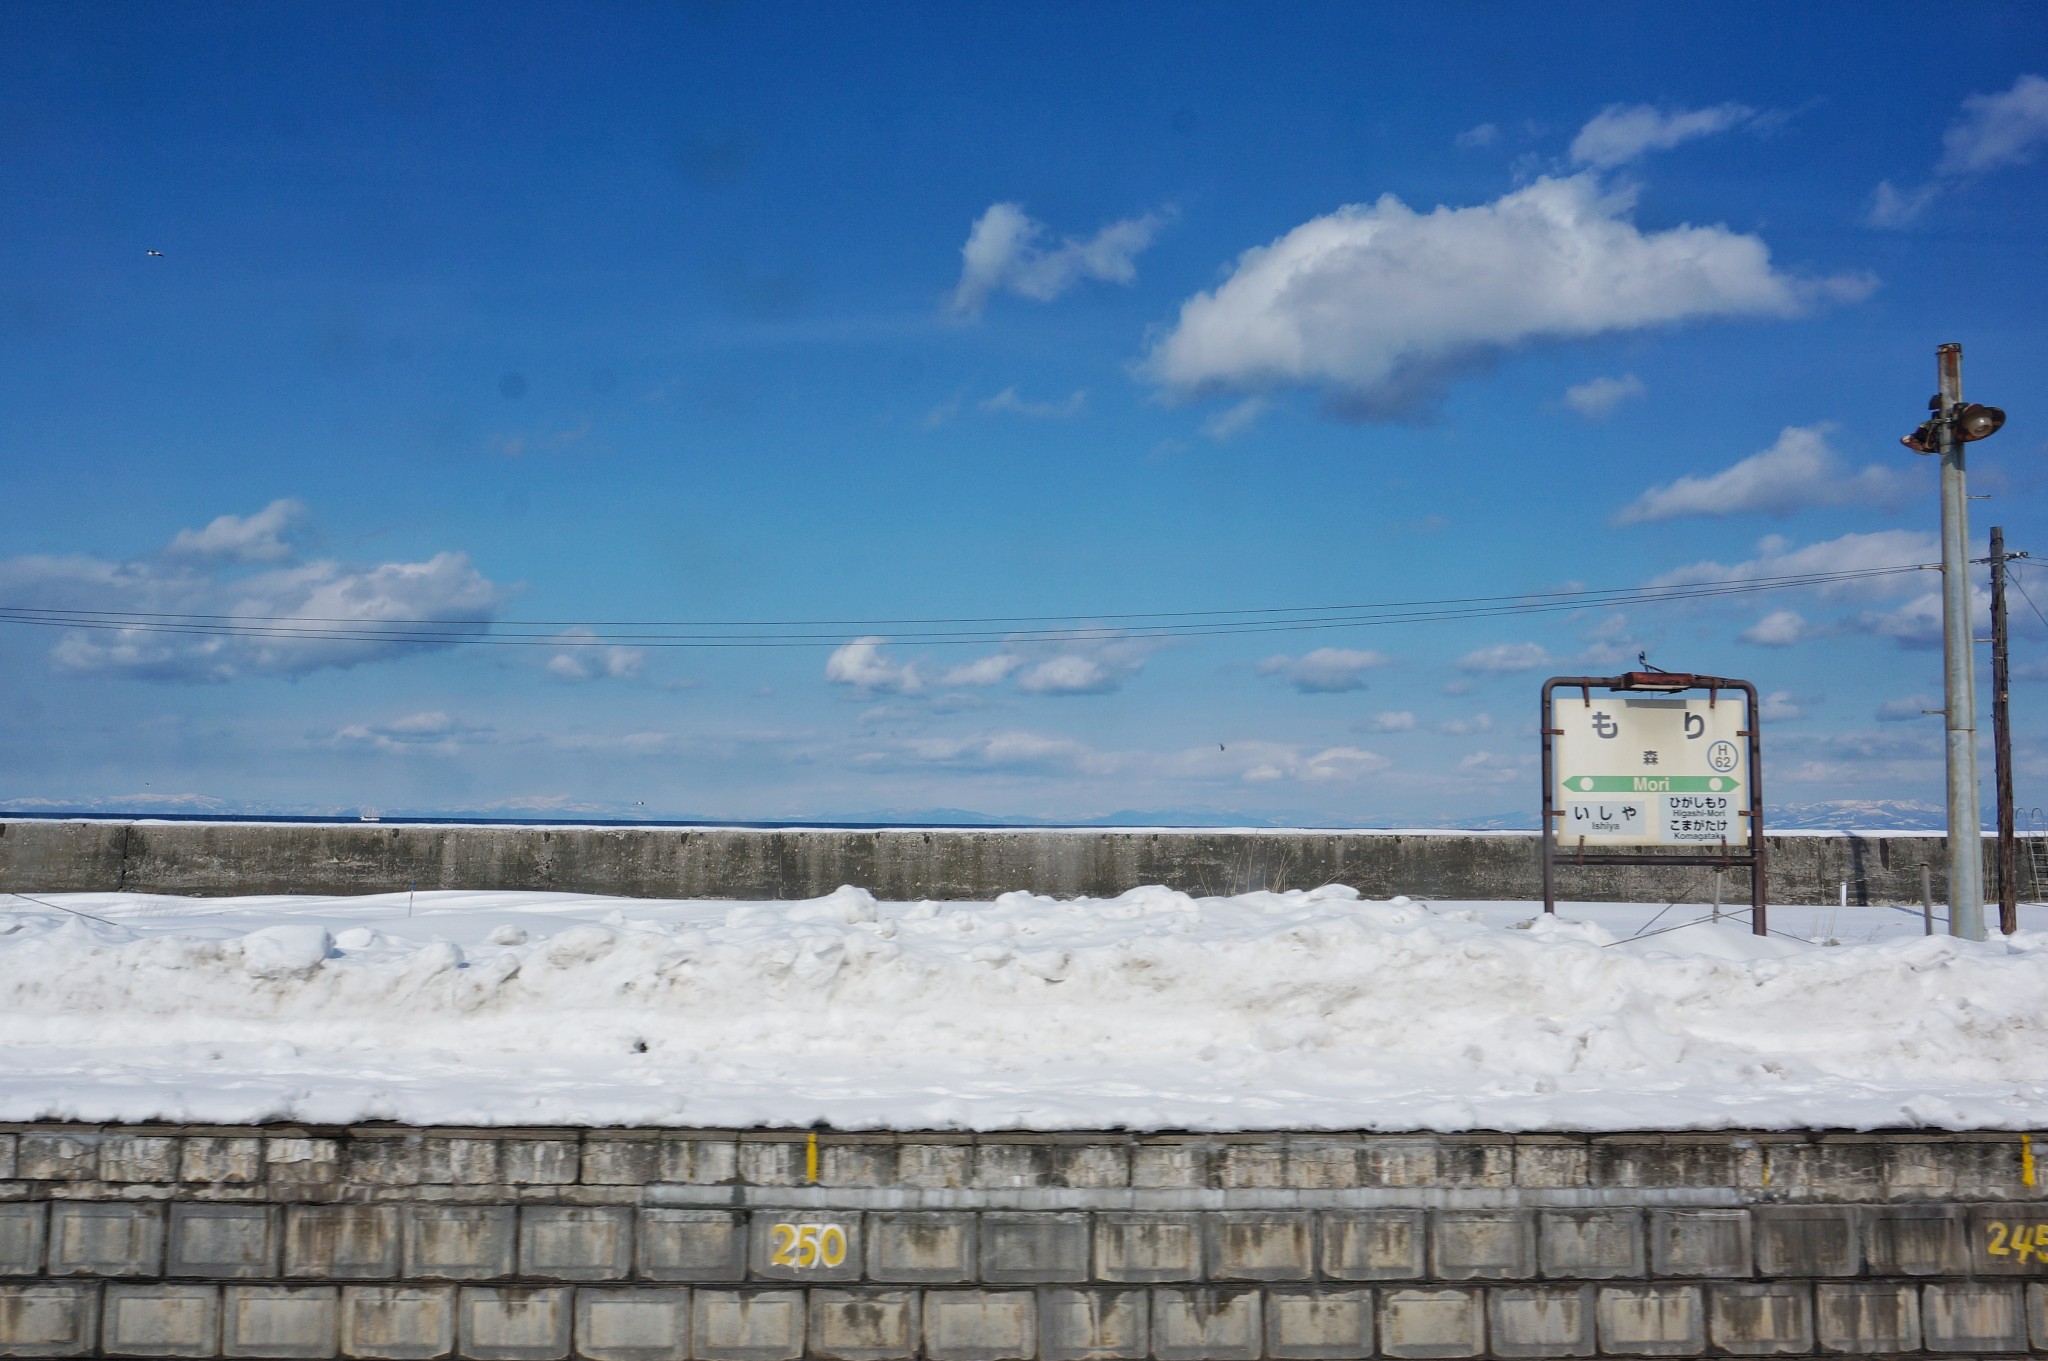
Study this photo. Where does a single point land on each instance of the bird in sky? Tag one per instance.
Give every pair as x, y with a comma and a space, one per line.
159, 254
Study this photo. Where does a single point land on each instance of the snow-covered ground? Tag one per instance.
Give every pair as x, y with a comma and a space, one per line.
1151, 1010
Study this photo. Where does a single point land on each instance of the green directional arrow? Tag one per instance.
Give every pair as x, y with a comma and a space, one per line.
1651, 784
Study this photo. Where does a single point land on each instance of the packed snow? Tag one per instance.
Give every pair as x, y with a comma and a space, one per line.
1153, 1010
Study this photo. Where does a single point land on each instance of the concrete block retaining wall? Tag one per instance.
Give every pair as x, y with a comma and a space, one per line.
629, 1245
209, 858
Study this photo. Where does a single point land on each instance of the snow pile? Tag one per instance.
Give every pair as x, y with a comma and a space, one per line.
1151, 1010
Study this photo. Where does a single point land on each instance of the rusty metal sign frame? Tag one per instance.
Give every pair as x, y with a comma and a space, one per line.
1667, 683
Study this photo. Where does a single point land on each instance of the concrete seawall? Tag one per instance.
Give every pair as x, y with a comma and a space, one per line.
631, 1245
220, 858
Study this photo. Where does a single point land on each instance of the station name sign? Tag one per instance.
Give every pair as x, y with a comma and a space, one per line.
1650, 770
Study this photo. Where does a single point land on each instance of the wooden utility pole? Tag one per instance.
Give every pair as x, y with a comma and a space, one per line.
2001, 741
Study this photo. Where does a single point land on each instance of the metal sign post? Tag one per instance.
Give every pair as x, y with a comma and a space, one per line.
1647, 764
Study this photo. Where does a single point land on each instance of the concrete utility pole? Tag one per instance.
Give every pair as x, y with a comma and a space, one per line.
2001, 741
1951, 426
1959, 671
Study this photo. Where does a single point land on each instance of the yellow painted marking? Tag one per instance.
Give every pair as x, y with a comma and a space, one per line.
1767, 1164
2027, 1159
811, 1161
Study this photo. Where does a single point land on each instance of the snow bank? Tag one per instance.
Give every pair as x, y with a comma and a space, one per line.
1151, 1010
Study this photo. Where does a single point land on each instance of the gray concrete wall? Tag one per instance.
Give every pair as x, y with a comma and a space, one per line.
968, 863
764, 1245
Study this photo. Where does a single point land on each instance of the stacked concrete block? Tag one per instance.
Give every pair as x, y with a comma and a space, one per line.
385, 1244
397, 1322
648, 1323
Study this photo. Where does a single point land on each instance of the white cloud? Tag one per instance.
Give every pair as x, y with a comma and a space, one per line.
1235, 419
1075, 673
1992, 132
293, 619
1776, 557
1094, 666
1003, 254
430, 733
1007, 400
1005, 751
1325, 671
861, 665
1485, 135
1779, 707
1779, 628
1506, 657
1797, 472
1997, 130
1394, 720
993, 669
1596, 398
1892, 207
240, 538
584, 658
1914, 623
1465, 727
1621, 132
1379, 306
1907, 710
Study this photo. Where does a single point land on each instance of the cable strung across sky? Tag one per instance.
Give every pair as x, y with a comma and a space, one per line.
711, 633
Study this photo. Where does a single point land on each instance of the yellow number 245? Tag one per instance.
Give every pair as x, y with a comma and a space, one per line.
2018, 1240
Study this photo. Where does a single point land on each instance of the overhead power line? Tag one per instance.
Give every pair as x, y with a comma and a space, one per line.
963, 630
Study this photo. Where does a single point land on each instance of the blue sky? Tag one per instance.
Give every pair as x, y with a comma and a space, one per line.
719, 312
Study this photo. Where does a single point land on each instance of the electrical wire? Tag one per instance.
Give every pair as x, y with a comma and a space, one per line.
929, 632
2014, 578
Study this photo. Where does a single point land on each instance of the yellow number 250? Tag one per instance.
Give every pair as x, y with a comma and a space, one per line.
806, 1245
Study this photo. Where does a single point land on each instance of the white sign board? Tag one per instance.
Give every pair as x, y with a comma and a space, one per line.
1649, 770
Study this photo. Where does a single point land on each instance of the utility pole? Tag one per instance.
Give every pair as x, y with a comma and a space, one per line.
2001, 741
1952, 426
1959, 670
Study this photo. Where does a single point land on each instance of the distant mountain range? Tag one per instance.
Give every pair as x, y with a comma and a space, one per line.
1831, 815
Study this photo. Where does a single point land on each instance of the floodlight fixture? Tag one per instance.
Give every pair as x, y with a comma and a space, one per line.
1967, 424
1976, 421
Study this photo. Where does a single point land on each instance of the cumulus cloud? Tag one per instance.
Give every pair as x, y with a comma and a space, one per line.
584, 658
1503, 657
1620, 133
240, 538
1915, 622
1997, 130
1992, 132
1776, 557
1485, 135
1393, 720
286, 619
862, 665
993, 669
1466, 727
1377, 307
1005, 254
1596, 398
1082, 667
1097, 672
1007, 400
1799, 471
1325, 671
1779, 628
